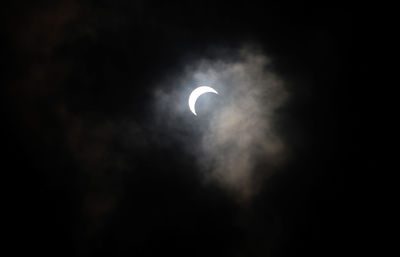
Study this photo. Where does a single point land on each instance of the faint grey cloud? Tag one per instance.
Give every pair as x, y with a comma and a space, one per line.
235, 134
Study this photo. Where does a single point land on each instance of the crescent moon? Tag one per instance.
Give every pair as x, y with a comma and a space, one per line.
196, 94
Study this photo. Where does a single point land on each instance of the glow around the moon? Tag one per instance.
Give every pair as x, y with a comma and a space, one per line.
196, 94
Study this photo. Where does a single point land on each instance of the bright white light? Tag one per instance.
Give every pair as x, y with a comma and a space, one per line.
196, 94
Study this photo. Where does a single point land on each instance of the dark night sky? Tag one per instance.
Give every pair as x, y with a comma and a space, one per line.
76, 187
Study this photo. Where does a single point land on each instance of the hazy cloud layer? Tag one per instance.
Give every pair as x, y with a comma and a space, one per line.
233, 131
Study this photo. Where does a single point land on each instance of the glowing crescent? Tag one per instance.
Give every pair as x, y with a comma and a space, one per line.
196, 94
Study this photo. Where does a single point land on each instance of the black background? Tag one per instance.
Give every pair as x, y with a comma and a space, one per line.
104, 57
